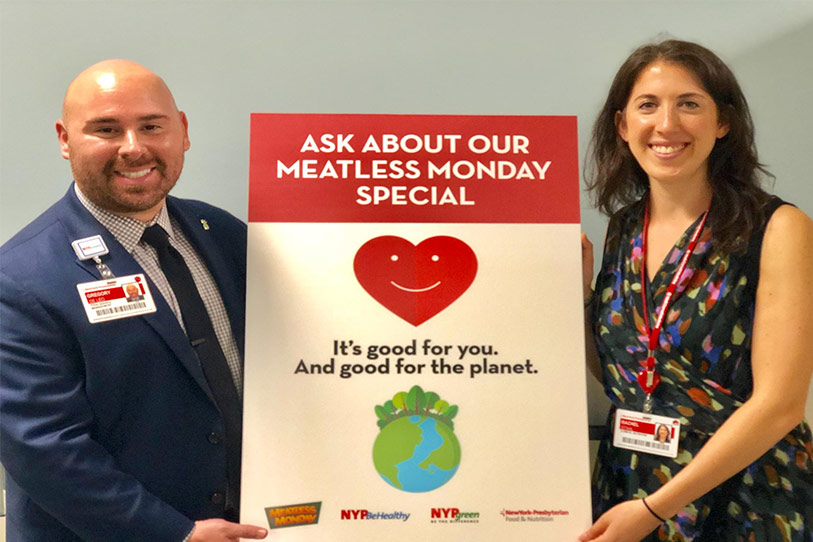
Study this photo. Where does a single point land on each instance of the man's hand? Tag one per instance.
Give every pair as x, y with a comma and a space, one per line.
220, 530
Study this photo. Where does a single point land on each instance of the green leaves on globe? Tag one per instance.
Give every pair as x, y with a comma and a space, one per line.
450, 413
416, 399
399, 400
441, 406
381, 412
416, 402
431, 399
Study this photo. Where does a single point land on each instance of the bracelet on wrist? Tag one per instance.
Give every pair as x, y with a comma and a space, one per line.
652, 511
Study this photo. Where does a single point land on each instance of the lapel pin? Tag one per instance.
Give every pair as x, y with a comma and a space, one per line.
204, 224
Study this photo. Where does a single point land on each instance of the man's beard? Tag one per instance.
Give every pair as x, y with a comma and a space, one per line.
101, 189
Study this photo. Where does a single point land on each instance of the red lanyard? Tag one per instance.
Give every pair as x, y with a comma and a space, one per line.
648, 378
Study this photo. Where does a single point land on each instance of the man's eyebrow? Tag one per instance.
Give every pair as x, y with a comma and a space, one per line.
102, 120
154, 116
113, 120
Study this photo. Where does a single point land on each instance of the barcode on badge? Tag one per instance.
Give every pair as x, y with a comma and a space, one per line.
645, 443
124, 308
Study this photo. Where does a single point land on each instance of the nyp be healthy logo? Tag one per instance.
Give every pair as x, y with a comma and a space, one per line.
417, 449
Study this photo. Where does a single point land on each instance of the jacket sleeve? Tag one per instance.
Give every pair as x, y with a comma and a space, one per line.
46, 433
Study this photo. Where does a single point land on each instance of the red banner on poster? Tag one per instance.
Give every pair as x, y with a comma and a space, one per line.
413, 168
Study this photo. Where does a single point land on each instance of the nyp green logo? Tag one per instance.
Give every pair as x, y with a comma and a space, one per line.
417, 449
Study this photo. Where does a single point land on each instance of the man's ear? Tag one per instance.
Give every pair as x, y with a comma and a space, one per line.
185, 122
62, 135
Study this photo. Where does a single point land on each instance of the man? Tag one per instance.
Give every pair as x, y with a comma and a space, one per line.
132, 292
114, 425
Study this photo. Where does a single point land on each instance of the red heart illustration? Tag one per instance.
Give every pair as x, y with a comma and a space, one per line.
415, 282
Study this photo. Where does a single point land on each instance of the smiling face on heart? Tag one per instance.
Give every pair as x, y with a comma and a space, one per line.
415, 282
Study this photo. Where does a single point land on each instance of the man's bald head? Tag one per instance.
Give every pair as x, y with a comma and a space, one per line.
124, 136
107, 76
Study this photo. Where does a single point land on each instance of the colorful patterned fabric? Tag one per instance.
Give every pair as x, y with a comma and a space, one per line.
705, 365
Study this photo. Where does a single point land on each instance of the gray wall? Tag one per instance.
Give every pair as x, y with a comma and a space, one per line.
224, 60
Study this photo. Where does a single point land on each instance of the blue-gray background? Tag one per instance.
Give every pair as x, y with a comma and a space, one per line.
226, 59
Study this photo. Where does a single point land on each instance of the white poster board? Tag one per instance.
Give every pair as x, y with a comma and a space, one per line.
415, 345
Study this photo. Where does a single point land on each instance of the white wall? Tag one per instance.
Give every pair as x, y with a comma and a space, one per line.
225, 59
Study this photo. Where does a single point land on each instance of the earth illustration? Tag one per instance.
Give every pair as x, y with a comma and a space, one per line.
416, 453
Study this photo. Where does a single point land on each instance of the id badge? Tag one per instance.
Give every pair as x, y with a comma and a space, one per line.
120, 297
648, 433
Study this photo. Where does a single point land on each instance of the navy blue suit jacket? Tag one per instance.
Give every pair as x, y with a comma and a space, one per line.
108, 432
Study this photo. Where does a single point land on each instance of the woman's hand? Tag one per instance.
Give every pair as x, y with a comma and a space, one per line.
629, 521
591, 355
587, 265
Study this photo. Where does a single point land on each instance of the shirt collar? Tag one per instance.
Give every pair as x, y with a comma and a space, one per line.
126, 230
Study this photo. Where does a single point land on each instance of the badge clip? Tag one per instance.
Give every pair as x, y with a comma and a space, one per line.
103, 269
92, 248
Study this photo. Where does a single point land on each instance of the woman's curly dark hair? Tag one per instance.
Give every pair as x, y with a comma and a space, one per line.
735, 173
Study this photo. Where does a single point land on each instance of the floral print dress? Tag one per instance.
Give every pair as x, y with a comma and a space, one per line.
704, 361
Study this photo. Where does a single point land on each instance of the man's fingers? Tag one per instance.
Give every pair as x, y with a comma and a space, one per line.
251, 532
219, 530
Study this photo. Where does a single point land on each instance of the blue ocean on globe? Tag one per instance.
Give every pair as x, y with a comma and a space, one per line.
416, 478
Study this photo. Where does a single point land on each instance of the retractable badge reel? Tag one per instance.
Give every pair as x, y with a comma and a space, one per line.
649, 379
93, 248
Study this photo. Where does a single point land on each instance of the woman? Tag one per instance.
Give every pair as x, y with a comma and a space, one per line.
676, 169
662, 434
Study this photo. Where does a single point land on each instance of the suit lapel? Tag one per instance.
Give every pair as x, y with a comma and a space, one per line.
79, 223
198, 229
